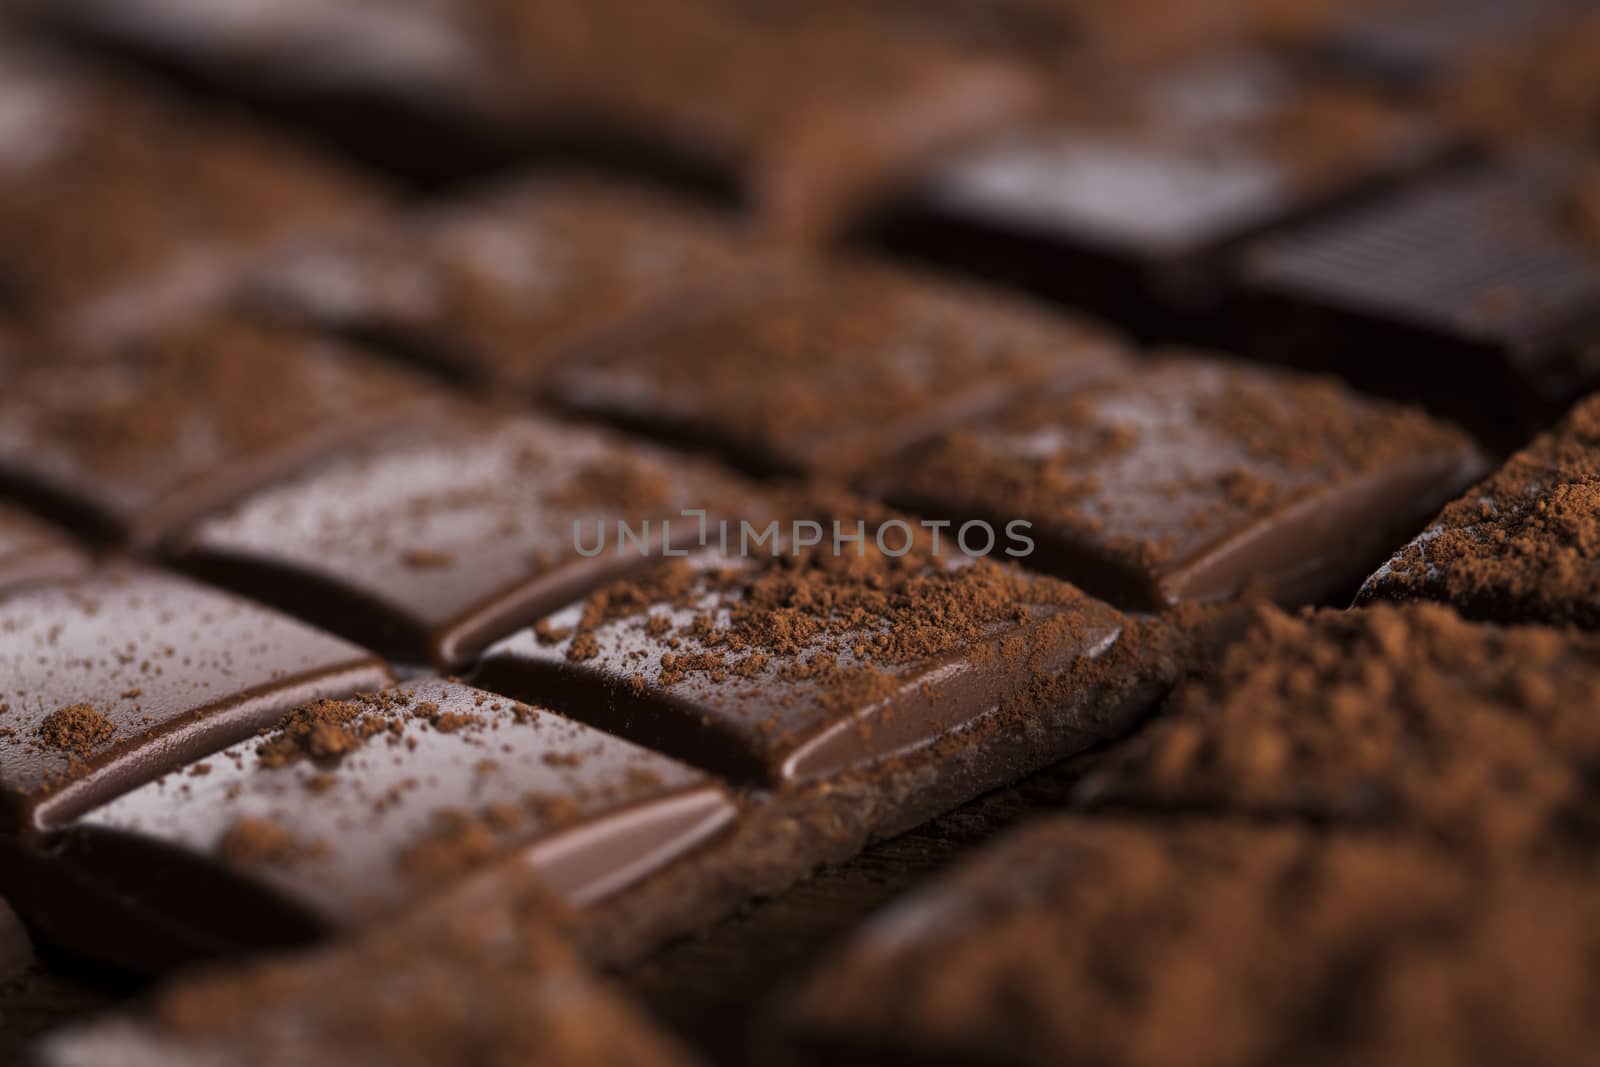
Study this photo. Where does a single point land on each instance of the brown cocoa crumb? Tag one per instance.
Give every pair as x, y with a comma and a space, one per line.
253, 842
77, 728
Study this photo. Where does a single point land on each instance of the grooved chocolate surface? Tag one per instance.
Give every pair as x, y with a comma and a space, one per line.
433, 541
1524, 545
502, 286
348, 810
1484, 258
1207, 944
32, 552
808, 665
1403, 719
126, 674
845, 364
119, 208
130, 444
1193, 479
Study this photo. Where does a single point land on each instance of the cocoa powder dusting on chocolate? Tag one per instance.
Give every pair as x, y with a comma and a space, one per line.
327, 729
844, 622
1523, 545
78, 729
1409, 719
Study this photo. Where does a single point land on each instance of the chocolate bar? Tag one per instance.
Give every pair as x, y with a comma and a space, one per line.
499, 288
119, 209
347, 811
31, 552
1205, 942
718, 660
1480, 277
127, 445
457, 988
1130, 200
432, 541
833, 370
125, 674
1405, 719
1521, 546
1193, 479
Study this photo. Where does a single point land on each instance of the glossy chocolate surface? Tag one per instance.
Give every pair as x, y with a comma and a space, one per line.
1479, 276
349, 810
1192, 479
432, 542
1143, 190
123, 675
841, 367
32, 552
770, 671
129, 445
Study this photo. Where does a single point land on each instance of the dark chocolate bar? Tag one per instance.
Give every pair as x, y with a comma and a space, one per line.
463, 988
499, 288
1207, 943
1193, 479
350, 810
1480, 279
31, 552
432, 541
128, 445
112, 679
119, 208
1398, 719
1128, 202
804, 665
833, 371
1523, 546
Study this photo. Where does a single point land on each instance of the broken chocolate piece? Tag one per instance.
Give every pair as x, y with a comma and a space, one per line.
349, 810
120, 209
498, 288
31, 552
1408, 720
1130, 943
1476, 279
128, 445
487, 988
808, 664
1523, 546
1194, 479
431, 542
112, 679
844, 366
1129, 203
